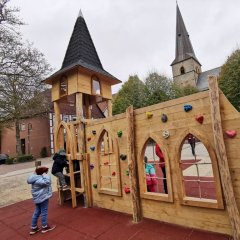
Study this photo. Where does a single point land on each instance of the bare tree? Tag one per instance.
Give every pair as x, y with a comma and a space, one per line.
22, 69
8, 14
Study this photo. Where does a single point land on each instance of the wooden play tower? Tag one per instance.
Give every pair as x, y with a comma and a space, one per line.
107, 156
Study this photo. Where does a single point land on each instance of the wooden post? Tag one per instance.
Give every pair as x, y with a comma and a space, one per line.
222, 157
57, 142
109, 108
88, 109
79, 115
87, 180
132, 165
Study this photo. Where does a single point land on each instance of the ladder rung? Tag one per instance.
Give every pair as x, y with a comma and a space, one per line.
80, 190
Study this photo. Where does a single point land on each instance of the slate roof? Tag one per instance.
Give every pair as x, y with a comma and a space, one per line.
184, 49
202, 82
82, 52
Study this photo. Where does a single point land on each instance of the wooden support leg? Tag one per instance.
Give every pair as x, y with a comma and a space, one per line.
87, 181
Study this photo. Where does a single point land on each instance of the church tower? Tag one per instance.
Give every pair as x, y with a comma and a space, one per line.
185, 67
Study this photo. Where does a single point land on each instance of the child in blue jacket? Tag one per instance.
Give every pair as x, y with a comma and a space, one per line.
41, 192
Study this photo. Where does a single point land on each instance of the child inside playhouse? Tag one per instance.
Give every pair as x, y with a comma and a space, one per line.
150, 176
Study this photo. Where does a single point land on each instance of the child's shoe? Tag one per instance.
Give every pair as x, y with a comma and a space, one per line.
34, 230
48, 228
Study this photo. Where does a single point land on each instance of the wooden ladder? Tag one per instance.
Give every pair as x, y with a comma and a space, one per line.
85, 181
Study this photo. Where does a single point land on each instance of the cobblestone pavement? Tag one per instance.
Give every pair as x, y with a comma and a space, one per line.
13, 181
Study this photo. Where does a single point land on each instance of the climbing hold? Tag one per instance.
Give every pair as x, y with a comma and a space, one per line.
106, 163
94, 185
231, 133
92, 148
199, 118
123, 157
94, 132
119, 133
127, 189
127, 172
113, 173
89, 139
187, 108
165, 133
164, 118
149, 114
91, 166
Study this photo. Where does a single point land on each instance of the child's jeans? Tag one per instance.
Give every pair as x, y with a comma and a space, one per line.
61, 178
40, 208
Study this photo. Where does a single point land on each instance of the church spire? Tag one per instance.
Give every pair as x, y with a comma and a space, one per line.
184, 49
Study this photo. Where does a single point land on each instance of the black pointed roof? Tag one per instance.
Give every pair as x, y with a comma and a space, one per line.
82, 52
184, 49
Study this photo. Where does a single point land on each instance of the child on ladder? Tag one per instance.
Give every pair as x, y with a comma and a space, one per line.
60, 162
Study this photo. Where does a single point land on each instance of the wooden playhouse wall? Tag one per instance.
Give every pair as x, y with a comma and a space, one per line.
179, 123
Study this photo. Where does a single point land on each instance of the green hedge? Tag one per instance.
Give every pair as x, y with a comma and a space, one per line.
43, 152
20, 159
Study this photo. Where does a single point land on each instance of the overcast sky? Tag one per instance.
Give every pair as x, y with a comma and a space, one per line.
134, 36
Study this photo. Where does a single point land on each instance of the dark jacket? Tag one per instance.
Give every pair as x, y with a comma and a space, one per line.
59, 163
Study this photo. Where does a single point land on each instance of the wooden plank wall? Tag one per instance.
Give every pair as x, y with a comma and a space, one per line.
179, 122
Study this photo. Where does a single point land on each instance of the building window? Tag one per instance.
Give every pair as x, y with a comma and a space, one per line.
22, 127
96, 88
182, 70
63, 85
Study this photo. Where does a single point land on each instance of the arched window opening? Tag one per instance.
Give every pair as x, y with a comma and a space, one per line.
197, 171
63, 85
96, 88
182, 70
154, 168
108, 174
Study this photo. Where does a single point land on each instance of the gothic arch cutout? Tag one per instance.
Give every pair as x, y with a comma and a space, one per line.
108, 163
198, 171
63, 138
154, 172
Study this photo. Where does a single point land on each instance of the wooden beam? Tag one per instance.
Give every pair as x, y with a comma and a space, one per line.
79, 115
132, 165
109, 102
58, 141
87, 104
87, 181
222, 157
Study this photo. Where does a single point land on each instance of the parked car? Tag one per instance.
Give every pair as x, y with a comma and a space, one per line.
3, 158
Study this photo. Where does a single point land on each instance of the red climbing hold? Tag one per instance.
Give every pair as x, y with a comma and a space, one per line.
127, 189
200, 119
231, 133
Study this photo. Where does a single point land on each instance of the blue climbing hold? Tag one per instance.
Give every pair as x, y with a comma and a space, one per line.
187, 108
92, 148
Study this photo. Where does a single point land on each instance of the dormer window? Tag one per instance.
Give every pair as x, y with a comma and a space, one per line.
182, 70
63, 85
96, 88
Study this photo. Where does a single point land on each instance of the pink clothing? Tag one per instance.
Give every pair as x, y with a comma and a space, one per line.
159, 153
